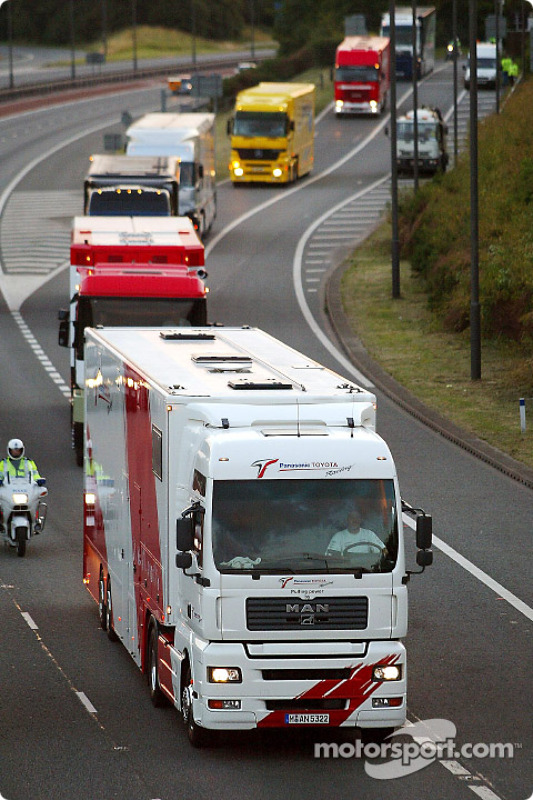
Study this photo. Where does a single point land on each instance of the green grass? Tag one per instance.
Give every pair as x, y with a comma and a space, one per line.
409, 343
156, 42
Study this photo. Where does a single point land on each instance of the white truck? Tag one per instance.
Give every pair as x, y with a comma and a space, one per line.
486, 66
190, 137
431, 136
223, 472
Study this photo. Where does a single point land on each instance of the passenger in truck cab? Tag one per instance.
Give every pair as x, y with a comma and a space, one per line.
354, 539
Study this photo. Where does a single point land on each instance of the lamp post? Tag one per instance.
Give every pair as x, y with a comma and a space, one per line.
72, 48
475, 316
395, 239
252, 25
455, 110
134, 32
193, 33
414, 76
10, 44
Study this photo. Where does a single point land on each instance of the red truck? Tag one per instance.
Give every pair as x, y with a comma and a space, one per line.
362, 75
129, 271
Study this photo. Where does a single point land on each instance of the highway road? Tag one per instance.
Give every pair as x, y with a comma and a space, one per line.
75, 716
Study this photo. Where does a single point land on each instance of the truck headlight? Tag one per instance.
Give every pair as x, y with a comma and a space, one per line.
224, 675
277, 172
339, 103
387, 672
20, 499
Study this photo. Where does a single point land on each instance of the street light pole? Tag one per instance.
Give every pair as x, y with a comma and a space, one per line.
72, 49
455, 81
193, 33
475, 316
395, 240
252, 25
134, 32
10, 43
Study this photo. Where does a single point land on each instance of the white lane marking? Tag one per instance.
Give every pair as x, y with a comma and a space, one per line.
484, 792
463, 562
300, 296
82, 697
41, 355
29, 621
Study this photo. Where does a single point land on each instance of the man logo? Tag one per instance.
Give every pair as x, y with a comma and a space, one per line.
307, 608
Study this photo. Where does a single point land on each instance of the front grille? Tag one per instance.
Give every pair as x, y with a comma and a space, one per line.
341, 674
258, 154
305, 705
287, 614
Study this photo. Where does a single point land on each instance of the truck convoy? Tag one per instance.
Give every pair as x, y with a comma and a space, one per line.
431, 136
272, 133
486, 66
128, 271
362, 75
223, 473
191, 138
426, 28
117, 185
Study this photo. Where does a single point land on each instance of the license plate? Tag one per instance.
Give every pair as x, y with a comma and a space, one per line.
307, 719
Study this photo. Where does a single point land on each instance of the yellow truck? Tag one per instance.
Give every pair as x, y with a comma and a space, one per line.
272, 133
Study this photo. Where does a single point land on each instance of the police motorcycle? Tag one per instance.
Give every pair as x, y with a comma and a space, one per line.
23, 509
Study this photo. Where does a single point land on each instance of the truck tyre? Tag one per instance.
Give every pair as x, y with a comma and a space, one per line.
20, 535
156, 695
77, 439
111, 635
198, 737
101, 602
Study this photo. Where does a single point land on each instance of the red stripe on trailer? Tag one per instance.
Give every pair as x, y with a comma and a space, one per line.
146, 549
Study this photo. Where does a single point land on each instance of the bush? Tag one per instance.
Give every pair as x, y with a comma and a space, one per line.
435, 229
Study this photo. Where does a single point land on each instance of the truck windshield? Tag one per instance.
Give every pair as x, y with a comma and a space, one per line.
404, 35
129, 204
301, 526
137, 312
260, 123
426, 131
187, 173
357, 74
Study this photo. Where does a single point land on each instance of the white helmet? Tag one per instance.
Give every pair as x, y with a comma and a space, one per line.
15, 444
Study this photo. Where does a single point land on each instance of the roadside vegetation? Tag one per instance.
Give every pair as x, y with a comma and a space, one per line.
423, 339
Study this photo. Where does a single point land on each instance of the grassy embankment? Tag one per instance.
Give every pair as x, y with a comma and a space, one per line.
423, 339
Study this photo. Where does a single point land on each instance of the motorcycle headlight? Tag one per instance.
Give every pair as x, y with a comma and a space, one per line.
20, 499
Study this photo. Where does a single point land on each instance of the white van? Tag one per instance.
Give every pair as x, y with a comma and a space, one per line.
486, 66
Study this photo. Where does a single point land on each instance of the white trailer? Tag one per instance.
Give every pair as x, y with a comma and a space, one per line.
191, 137
221, 467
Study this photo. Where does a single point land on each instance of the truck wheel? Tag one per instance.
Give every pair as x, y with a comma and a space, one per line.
101, 603
20, 535
111, 635
198, 737
156, 695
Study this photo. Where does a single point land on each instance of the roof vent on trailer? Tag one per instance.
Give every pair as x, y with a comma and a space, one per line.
269, 383
224, 362
195, 336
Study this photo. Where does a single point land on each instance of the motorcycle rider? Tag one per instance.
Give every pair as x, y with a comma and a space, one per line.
17, 465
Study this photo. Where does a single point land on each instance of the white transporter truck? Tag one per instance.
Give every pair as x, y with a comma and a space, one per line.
190, 137
431, 137
223, 474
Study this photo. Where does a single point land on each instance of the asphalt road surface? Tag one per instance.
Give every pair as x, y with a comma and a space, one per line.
75, 716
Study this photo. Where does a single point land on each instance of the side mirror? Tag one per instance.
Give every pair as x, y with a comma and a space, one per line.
424, 532
63, 333
185, 534
183, 560
424, 558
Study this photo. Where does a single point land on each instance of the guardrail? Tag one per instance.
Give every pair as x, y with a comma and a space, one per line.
120, 76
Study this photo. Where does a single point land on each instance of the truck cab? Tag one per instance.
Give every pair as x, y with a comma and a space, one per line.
432, 150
